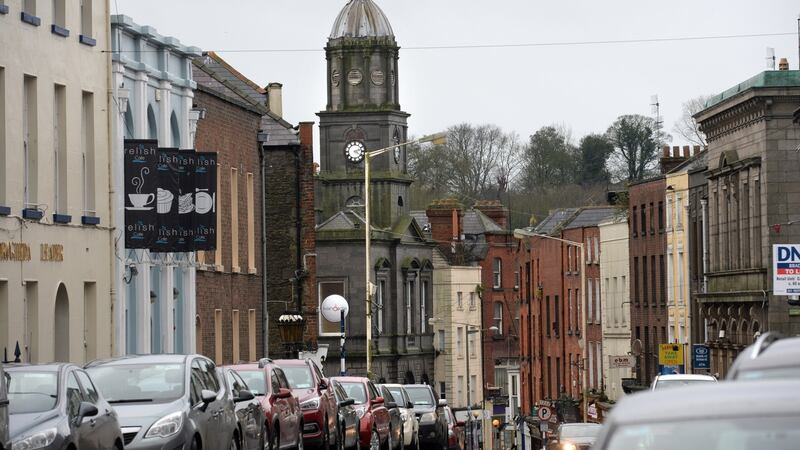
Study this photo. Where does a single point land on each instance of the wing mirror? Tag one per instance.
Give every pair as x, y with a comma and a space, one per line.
347, 402
377, 401
207, 396
442, 402
283, 393
244, 396
323, 385
410, 405
391, 405
86, 410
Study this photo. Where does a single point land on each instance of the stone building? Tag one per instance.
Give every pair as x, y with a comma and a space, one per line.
363, 113
753, 199
56, 252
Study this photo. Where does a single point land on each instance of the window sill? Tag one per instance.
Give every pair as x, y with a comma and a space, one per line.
252, 271
90, 220
236, 270
86, 40
62, 218
32, 214
473, 308
5, 211
3, 9
30, 19
61, 31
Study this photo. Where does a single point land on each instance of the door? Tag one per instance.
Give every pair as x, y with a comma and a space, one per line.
198, 413
82, 430
106, 427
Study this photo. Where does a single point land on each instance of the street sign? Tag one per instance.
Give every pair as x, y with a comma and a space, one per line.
544, 413
622, 362
670, 354
786, 269
700, 357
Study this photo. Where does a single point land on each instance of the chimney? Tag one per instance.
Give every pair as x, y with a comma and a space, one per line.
495, 211
665, 151
686, 152
783, 64
446, 218
306, 134
696, 150
673, 157
275, 98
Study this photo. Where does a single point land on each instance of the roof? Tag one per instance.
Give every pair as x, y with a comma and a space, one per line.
361, 18
709, 400
591, 217
767, 79
476, 222
150, 34
555, 221
143, 359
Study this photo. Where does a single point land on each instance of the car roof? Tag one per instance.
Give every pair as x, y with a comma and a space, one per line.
47, 367
350, 379
781, 352
711, 400
144, 359
685, 377
291, 362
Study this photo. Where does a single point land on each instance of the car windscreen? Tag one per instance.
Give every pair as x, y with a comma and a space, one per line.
772, 373
397, 393
355, 391
750, 433
32, 391
579, 431
255, 381
140, 383
299, 377
668, 384
420, 396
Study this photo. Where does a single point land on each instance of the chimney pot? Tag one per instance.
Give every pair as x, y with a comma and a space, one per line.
783, 64
676, 151
696, 150
686, 152
665, 150
275, 98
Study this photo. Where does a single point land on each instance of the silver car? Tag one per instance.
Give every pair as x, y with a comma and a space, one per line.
168, 402
410, 425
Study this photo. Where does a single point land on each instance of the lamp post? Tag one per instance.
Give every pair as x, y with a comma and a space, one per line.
436, 139
522, 233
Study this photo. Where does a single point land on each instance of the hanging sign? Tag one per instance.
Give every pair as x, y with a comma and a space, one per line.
141, 182
186, 210
786, 269
168, 230
205, 201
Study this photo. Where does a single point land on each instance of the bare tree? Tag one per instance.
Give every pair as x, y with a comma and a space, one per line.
686, 127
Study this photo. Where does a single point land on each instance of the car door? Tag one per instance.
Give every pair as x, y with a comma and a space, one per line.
81, 430
106, 426
199, 414
382, 418
293, 415
223, 419
327, 397
247, 412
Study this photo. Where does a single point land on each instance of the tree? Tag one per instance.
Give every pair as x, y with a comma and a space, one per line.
636, 140
548, 160
688, 128
594, 151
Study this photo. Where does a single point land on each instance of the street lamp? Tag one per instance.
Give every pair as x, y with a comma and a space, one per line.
436, 139
522, 233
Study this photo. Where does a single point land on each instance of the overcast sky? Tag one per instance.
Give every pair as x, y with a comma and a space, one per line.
520, 88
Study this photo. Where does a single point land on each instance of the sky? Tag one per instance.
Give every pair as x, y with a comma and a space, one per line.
519, 88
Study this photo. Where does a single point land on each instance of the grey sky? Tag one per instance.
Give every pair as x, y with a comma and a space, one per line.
521, 89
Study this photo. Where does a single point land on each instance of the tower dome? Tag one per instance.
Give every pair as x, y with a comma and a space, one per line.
361, 18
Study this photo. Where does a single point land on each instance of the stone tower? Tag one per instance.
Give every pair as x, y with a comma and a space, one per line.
363, 113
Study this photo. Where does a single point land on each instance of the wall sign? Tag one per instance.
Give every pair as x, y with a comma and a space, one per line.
15, 251
786, 269
51, 252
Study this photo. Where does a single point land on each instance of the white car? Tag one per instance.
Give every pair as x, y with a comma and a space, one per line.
672, 381
410, 424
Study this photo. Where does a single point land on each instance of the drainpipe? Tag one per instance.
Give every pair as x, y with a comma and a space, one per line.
299, 229
704, 212
262, 140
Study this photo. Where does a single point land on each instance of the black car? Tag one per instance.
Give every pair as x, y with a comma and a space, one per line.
252, 429
396, 432
770, 357
432, 420
56, 406
347, 425
168, 401
5, 438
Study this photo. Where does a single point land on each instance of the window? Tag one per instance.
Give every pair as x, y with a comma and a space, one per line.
653, 286
590, 300
459, 390
74, 397
29, 7
669, 213
88, 386
59, 149
235, 220
410, 305
570, 310
498, 273
251, 334
661, 216
442, 341
652, 218
670, 287
59, 13
635, 292
423, 307
643, 219
235, 335
498, 317
516, 279
86, 18
459, 301
325, 289
678, 211
634, 218
587, 247
645, 291
473, 383
472, 302
87, 140
569, 259
460, 342
379, 305
251, 226
597, 250
30, 140
472, 344
596, 301
442, 392
591, 365
218, 335
680, 278
547, 313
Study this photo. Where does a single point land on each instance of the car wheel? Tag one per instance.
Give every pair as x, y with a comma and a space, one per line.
374, 441
195, 444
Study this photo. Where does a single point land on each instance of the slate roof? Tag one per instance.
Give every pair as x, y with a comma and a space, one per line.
591, 217
555, 221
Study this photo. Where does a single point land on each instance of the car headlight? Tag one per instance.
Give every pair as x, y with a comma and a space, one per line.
361, 412
427, 418
312, 403
39, 439
166, 426
568, 446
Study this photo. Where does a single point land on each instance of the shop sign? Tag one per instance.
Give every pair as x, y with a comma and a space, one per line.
670, 354
15, 251
51, 252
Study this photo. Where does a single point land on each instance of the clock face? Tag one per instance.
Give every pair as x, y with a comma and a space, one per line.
354, 151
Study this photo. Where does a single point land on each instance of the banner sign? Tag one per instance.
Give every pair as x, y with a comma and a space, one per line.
165, 214
786, 269
205, 201
141, 181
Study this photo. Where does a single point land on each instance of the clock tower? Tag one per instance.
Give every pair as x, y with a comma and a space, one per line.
362, 114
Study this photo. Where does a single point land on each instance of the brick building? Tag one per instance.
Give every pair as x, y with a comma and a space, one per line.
648, 274
242, 123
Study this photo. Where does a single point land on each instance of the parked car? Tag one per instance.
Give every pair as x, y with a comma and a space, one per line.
374, 417
5, 437
429, 412
770, 357
252, 429
167, 401
410, 424
57, 406
395, 417
310, 387
673, 381
748, 415
347, 425
282, 412
455, 431
574, 436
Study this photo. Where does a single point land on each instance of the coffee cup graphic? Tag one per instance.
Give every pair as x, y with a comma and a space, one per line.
141, 200
165, 198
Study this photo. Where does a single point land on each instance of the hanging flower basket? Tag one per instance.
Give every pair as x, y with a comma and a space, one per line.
291, 326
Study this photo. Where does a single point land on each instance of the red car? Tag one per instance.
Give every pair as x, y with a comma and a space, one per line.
317, 402
374, 428
282, 411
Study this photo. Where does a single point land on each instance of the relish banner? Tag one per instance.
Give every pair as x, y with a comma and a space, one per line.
141, 183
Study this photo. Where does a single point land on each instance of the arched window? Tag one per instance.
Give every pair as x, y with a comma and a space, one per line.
175, 130
61, 329
497, 273
152, 125
129, 123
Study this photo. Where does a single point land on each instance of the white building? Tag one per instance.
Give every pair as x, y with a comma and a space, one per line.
615, 290
152, 99
55, 240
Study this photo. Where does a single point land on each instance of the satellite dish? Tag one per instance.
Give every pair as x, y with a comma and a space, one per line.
332, 308
636, 347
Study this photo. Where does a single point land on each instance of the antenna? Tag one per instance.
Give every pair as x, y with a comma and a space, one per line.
770, 58
655, 109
